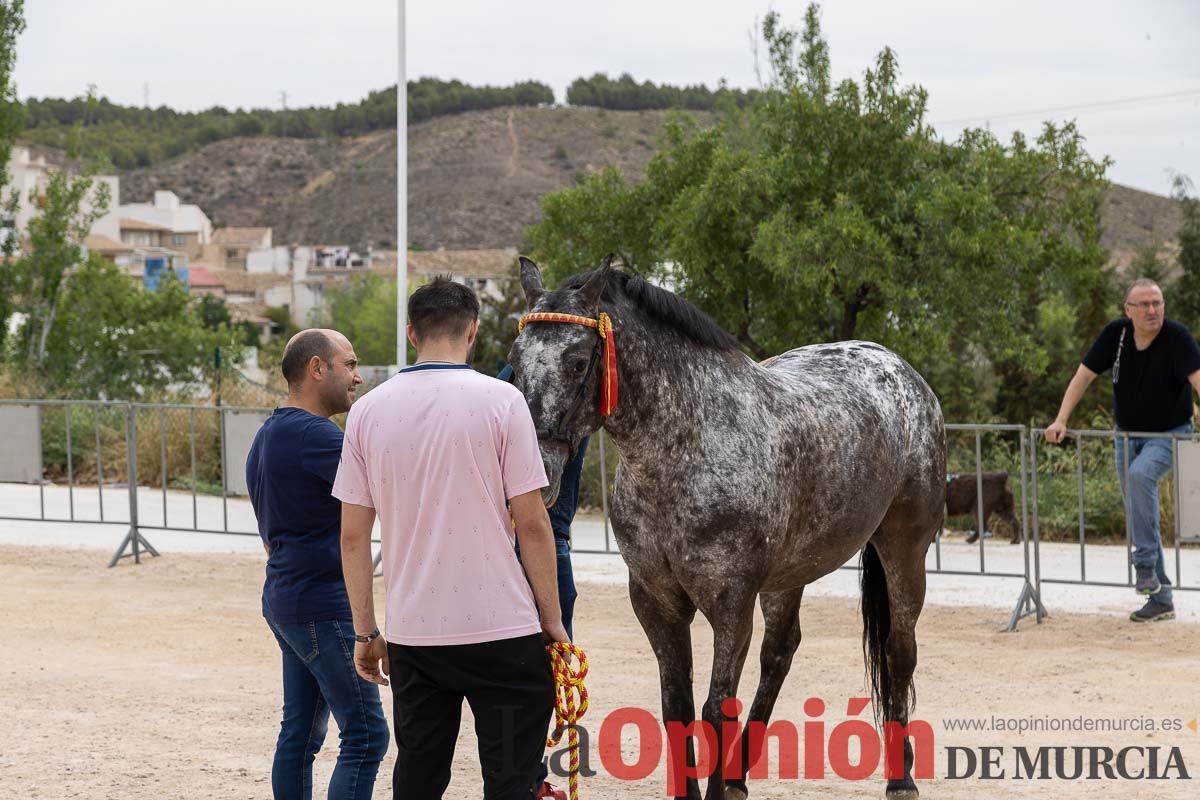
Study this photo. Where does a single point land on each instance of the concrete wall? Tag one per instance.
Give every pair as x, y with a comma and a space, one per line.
21, 456
309, 299
275, 260
278, 295
240, 428
1189, 491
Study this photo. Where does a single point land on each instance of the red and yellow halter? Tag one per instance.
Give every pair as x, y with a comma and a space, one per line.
603, 326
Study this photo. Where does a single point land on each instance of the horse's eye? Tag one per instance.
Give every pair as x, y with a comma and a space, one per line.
579, 366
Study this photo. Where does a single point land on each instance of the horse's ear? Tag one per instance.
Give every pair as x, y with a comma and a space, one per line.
531, 281
590, 292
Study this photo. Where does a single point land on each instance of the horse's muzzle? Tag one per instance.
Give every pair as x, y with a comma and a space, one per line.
554, 459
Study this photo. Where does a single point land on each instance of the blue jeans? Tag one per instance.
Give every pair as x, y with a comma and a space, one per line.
319, 678
1150, 460
562, 513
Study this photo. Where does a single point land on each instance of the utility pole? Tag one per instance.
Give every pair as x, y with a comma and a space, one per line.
146, 95
283, 99
401, 195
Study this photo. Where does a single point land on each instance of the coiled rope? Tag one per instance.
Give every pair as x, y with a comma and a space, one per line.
570, 704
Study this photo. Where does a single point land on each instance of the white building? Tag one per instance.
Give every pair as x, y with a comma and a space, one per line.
29, 175
166, 222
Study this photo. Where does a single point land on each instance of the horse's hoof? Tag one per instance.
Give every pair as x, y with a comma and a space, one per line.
903, 793
734, 793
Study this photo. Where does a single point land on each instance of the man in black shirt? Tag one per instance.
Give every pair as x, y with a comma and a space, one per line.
1155, 366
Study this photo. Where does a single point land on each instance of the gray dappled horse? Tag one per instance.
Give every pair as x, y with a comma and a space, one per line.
742, 480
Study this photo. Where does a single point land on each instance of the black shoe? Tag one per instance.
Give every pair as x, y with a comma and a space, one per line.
1147, 582
1153, 611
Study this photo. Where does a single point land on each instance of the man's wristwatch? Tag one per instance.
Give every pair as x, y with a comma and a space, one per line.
370, 637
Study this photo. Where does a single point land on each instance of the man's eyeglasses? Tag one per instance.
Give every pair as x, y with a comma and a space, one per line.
1147, 305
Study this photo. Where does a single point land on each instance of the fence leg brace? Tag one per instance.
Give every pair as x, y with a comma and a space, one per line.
134, 541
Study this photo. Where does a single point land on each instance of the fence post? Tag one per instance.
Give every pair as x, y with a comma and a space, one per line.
70, 466
1030, 600
1178, 511
1082, 522
979, 521
134, 540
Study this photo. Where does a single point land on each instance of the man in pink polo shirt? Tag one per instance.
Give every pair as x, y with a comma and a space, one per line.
444, 455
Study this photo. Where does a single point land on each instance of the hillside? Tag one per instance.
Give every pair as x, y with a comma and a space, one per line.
475, 179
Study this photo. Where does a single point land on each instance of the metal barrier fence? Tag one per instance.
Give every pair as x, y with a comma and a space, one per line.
970, 447
147, 440
1029, 601
186, 463
1178, 441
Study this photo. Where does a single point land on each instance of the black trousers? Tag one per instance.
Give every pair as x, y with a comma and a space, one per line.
510, 688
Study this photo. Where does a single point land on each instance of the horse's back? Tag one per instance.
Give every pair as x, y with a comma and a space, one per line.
863, 369
864, 381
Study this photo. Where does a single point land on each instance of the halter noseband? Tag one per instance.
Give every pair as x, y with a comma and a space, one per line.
605, 346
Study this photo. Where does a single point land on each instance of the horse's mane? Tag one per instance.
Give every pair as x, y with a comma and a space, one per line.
664, 306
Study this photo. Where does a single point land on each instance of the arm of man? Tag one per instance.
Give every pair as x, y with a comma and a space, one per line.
540, 562
370, 658
1194, 380
1079, 383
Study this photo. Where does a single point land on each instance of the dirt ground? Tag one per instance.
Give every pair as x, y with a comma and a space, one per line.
161, 681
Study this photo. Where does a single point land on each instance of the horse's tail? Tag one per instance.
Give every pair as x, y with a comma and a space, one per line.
891, 702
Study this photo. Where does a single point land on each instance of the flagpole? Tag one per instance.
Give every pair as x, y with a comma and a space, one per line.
401, 194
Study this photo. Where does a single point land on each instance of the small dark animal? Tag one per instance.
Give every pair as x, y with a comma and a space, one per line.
962, 492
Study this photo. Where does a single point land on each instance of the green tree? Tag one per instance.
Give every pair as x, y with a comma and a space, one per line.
122, 342
214, 315
1148, 263
1185, 300
363, 308
828, 211
12, 23
282, 326
53, 246
213, 312
130, 135
498, 317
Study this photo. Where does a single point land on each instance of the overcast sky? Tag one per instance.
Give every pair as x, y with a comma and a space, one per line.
981, 62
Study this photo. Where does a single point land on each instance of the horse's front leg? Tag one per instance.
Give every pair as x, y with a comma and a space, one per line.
781, 637
666, 618
731, 615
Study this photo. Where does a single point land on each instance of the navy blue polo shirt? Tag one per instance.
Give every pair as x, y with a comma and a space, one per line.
290, 472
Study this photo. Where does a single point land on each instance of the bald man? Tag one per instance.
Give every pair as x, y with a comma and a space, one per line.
290, 473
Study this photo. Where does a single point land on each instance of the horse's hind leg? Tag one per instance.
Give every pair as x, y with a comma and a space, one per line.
667, 623
899, 548
781, 637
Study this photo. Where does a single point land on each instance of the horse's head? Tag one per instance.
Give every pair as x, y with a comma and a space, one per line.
559, 368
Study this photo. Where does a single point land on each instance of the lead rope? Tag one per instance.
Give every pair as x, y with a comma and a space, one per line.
570, 704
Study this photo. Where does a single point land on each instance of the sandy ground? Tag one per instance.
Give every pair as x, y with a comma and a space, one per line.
161, 681
959, 582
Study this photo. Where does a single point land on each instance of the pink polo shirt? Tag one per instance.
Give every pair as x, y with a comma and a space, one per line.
437, 451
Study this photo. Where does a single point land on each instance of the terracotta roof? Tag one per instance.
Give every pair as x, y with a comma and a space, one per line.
102, 244
236, 280
130, 224
240, 237
464, 263
203, 277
